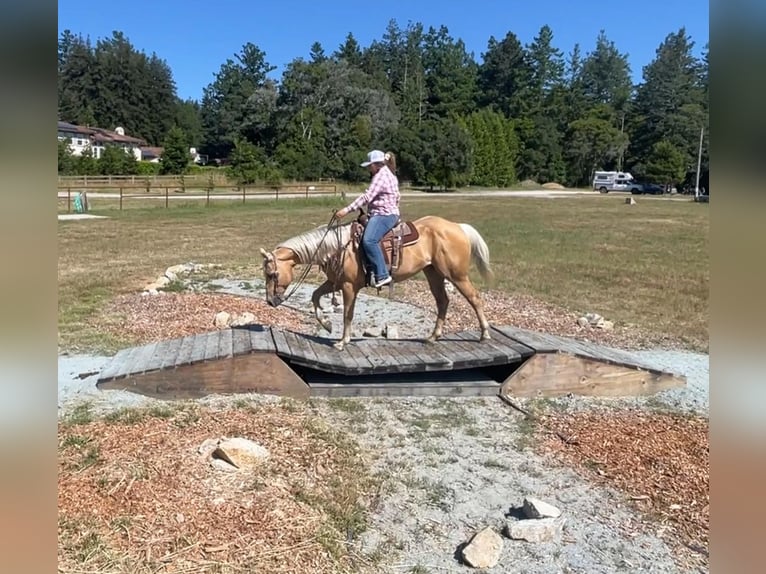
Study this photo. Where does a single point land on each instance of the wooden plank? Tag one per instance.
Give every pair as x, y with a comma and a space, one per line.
161, 350
240, 341
198, 347
500, 352
353, 351
185, 352
226, 344
142, 357
211, 345
479, 354
464, 354
282, 347
382, 355
170, 354
424, 389
252, 373
262, 339
555, 374
540, 342
424, 356
120, 364
301, 351
329, 358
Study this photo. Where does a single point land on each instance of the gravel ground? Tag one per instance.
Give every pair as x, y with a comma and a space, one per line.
454, 466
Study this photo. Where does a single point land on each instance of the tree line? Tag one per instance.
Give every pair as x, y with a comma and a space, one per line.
521, 112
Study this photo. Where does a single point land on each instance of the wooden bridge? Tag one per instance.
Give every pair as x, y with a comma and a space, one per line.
262, 359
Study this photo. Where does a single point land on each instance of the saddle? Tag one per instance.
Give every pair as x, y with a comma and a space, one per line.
392, 244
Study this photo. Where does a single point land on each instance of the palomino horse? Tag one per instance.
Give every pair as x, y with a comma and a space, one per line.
444, 250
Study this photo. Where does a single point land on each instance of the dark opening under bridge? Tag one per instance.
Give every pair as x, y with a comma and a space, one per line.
263, 359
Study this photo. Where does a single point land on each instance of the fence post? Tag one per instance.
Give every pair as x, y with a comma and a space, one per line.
69, 200
120, 198
166, 197
207, 200
244, 187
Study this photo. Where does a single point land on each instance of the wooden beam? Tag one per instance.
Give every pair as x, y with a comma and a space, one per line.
556, 374
252, 373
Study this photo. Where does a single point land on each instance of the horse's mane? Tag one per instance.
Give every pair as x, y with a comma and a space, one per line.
318, 243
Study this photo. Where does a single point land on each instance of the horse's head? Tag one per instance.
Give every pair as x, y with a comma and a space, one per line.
278, 274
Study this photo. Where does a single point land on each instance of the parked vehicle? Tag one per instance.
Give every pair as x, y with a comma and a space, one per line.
606, 181
646, 188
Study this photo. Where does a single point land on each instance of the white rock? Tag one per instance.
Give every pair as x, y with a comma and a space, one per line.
391, 331
372, 332
630, 201
583, 322
244, 319
605, 325
536, 508
449, 286
171, 275
484, 549
222, 319
240, 452
162, 281
534, 530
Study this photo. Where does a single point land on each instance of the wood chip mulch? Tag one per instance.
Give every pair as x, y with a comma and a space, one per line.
659, 460
147, 318
135, 495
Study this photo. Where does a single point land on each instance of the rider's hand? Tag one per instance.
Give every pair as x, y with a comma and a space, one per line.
341, 213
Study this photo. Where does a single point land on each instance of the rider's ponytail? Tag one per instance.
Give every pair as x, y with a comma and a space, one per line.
390, 161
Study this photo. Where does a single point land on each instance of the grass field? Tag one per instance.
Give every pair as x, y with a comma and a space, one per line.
645, 264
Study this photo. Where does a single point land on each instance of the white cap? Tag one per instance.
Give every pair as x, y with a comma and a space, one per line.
374, 156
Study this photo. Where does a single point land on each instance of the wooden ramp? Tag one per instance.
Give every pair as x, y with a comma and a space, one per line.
264, 359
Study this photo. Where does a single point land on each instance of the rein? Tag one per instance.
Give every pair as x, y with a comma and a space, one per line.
296, 284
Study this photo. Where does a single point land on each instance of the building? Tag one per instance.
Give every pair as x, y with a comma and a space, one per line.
80, 138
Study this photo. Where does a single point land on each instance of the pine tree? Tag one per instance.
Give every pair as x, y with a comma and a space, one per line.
175, 155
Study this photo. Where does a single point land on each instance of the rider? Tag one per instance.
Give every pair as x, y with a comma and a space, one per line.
382, 198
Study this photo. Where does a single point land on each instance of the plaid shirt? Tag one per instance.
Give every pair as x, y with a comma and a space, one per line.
382, 197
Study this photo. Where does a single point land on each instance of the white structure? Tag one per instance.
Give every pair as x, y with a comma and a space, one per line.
606, 181
81, 138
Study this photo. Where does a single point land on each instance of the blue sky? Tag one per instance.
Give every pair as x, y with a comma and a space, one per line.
196, 37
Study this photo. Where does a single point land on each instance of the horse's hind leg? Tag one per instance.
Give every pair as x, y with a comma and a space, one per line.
316, 299
471, 294
436, 283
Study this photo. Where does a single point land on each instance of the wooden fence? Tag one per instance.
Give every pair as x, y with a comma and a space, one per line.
166, 191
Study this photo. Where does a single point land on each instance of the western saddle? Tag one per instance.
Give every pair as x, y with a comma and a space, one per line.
392, 244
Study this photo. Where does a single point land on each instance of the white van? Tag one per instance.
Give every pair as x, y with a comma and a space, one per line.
606, 181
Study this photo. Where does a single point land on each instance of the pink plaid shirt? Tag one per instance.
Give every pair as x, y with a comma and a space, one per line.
382, 197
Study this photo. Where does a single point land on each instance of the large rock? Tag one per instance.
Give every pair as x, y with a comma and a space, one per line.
240, 452
244, 319
536, 508
222, 320
534, 530
484, 549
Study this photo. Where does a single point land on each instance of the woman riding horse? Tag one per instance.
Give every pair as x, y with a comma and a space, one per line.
382, 199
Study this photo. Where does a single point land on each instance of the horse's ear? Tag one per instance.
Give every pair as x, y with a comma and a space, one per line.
265, 254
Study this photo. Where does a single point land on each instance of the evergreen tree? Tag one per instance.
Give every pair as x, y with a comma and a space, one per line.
175, 155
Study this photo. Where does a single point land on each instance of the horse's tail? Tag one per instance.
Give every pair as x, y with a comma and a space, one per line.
479, 251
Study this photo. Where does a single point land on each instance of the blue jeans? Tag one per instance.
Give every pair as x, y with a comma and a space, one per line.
376, 228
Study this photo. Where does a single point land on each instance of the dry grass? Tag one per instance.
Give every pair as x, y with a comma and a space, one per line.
644, 265
135, 496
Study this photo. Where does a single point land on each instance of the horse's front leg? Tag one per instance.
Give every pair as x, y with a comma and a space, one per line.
316, 299
349, 301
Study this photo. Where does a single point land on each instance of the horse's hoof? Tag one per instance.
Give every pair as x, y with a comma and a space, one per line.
339, 345
485, 337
